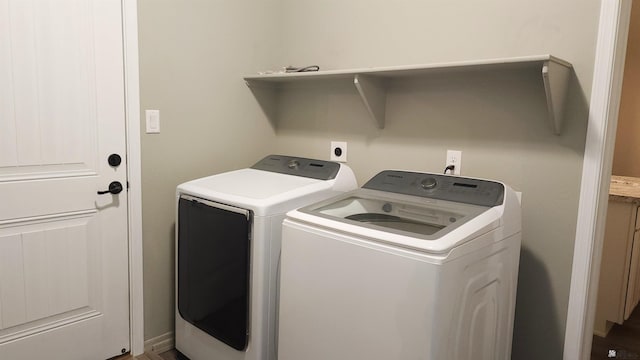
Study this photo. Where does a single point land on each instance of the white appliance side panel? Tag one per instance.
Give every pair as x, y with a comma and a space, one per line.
483, 306
343, 298
272, 292
339, 300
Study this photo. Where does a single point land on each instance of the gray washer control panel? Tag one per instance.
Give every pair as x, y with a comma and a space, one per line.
437, 186
315, 169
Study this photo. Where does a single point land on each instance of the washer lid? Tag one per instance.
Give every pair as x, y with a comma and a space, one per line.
397, 213
274, 185
248, 184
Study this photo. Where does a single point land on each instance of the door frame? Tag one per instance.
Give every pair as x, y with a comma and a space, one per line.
134, 173
606, 92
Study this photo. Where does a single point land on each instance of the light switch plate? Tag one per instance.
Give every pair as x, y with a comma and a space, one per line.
153, 121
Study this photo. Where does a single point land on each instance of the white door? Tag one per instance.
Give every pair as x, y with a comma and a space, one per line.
63, 247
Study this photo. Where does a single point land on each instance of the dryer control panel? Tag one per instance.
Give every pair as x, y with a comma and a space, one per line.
311, 168
440, 187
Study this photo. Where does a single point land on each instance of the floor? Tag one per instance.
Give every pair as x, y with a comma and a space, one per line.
622, 342
167, 355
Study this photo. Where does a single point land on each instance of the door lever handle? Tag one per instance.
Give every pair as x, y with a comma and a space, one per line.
114, 188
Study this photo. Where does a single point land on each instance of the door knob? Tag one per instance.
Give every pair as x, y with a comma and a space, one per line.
114, 160
114, 188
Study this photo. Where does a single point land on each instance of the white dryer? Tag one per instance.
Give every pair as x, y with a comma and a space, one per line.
228, 234
411, 266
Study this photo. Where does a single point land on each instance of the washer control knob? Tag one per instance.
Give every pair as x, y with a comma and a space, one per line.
428, 183
293, 164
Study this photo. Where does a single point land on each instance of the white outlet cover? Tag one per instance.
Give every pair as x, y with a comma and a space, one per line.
454, 157
342, 145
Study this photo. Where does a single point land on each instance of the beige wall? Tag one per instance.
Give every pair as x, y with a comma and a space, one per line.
497, 119
626, 158
192, 57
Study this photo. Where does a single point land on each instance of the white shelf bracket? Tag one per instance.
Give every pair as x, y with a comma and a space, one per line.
267, 97
374, 95
555, 78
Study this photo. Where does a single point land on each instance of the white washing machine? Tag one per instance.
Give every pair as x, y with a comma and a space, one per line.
411, 266
228, 233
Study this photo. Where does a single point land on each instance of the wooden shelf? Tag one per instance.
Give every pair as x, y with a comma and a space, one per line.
371, 83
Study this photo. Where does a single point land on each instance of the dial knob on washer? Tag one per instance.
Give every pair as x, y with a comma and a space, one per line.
428, 183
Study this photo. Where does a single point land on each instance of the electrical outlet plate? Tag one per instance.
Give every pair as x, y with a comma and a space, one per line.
339, 151
454, 157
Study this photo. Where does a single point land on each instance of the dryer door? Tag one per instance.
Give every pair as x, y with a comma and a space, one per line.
213, 269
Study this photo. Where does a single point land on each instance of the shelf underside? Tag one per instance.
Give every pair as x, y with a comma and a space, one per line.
371, 83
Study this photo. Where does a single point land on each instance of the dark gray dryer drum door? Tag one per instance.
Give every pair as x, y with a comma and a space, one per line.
213, 269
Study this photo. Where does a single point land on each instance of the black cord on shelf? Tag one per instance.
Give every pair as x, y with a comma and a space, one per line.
449, 168
290, 69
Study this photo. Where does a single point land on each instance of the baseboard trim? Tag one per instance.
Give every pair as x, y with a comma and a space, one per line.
603, 332
160, 344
